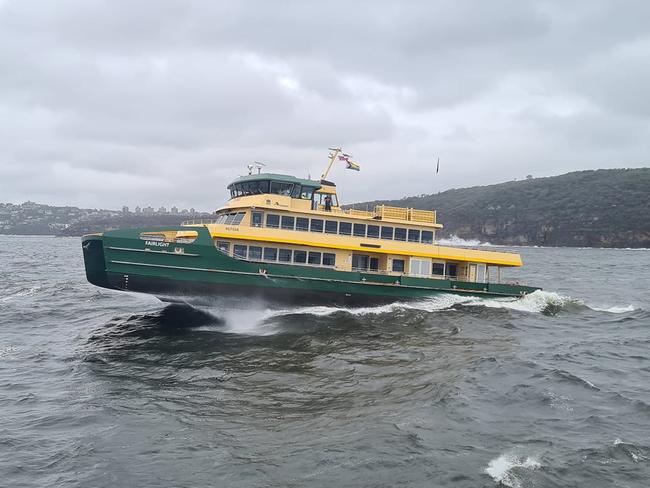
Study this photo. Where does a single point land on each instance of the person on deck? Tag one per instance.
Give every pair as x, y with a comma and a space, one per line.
328, 203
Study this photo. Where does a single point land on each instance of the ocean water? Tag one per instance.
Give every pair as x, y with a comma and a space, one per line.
105, 389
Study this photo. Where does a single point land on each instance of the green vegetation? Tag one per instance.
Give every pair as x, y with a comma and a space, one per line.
602, 208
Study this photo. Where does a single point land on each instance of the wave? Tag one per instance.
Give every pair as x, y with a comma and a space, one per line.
454, 240
22, 292
507, 469
614, 309
540, 301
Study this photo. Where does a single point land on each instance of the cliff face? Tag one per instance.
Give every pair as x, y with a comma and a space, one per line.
603, 208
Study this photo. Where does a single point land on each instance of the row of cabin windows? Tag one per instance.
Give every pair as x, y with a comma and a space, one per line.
371, 231
273, 254
437, 269
293, 190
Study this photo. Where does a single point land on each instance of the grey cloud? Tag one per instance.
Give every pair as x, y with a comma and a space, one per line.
156, 93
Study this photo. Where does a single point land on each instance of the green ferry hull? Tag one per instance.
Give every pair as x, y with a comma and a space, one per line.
120, 260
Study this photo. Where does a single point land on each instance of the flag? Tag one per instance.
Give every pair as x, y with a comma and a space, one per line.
344, 157
353, 166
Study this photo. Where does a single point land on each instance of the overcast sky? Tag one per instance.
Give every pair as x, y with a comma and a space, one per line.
161, 102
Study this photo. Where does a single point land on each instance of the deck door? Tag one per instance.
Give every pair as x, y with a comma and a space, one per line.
420, 267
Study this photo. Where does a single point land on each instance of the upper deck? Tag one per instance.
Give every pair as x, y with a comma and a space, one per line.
284, 192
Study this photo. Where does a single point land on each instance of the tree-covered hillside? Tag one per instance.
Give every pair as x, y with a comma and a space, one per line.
602, 208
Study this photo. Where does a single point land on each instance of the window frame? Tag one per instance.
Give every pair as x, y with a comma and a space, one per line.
255, 258
274, 216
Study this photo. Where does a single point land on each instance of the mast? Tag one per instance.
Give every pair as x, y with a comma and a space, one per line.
335, 152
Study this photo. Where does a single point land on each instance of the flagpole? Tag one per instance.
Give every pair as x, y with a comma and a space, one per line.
329, 166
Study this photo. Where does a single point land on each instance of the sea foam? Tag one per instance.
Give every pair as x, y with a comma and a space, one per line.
506, 469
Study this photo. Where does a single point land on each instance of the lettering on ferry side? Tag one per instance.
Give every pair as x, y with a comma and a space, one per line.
236, 229
156, 243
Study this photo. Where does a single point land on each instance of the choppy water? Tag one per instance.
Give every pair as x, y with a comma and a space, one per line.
99, 388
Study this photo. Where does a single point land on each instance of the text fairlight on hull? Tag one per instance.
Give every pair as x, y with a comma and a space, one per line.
283, 238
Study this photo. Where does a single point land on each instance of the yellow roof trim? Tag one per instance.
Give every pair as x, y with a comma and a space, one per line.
443, 252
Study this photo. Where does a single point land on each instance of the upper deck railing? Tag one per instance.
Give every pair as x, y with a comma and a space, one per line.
385, 212
381, 212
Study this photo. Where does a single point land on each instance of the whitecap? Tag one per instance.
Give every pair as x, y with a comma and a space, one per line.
614, 309
454, 240
503, 468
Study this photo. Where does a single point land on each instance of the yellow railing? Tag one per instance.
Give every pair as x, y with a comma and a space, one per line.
400, 213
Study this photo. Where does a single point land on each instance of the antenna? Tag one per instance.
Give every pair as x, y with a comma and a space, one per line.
256, 164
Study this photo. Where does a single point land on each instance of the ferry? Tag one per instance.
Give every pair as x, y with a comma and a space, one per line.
282, 239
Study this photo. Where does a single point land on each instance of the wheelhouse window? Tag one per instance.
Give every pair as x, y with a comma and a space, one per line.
414, 235
240, 251
302, 223
400, 234
273, 221
360, 230
398, 265
386, 232
284, 255
255, 253
249, 188
314, 257
331, 227
345, 228
373, 231
329, 259
306, 192
438, 269
427, 237
300, 256
278, 188
256, 219
287, 222
270, 254
316, 225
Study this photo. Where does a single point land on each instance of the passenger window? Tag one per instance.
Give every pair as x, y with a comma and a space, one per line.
302, 223
360, 230
331, 226
329, 259
287, 222
438, 269
374, 264
316, 225
273, 221
345, 228
299, 256
400, 234
223, 246
452, 270
414, 235
373, 231
256, 219
427, 237
270, 254
314, 257
386, 232
398, 265
240, 251
255, 253
284, 255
